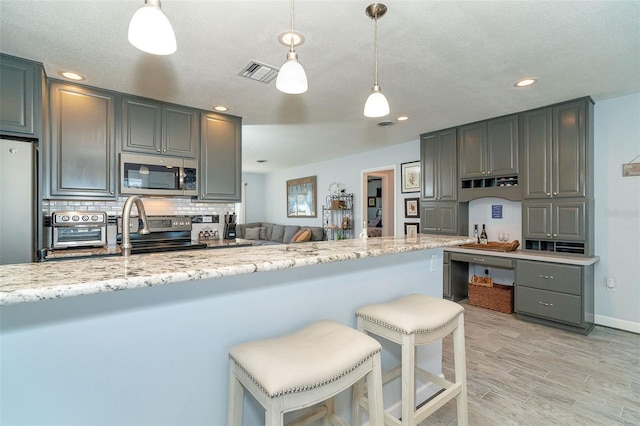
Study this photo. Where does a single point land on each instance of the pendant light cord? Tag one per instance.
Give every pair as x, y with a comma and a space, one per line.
375, 52
292, 26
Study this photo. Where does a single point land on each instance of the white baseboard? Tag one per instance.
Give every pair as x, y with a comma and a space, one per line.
625, 325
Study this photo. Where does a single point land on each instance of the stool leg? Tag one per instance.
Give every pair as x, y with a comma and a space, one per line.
460, 361
358, 388
374, 393
408, 380
274, 412
236, 398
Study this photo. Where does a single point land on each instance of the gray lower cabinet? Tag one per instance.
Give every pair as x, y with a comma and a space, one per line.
558, 150
154, 127
220, 158
450, 218
82, 143
439, 165
555, 294
20, 96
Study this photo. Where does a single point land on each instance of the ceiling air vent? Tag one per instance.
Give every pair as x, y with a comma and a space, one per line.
259, 72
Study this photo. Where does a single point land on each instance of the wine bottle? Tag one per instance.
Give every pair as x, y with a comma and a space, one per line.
475, 234
483, 236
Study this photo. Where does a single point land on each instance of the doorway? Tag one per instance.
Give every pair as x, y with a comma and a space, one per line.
379, 201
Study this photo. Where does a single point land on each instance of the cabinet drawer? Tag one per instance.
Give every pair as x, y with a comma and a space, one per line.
548, 304
549, 276
480, 259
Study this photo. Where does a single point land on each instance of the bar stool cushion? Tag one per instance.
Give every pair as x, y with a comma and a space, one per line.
314, 356
413, 314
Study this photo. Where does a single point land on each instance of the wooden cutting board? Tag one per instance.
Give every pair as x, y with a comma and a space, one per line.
494, 246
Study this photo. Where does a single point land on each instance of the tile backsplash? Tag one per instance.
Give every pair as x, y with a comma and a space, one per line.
153, 206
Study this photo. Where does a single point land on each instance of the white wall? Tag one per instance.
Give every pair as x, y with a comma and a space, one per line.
617, 205
255, 196
347, 170
617, 212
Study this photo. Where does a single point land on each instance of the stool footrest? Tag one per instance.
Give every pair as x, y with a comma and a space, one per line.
437, 402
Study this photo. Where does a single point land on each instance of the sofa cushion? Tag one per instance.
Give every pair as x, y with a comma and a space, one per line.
289, 232
277, 234
317, 233
302, 236
241, 227
265, 233
253, 233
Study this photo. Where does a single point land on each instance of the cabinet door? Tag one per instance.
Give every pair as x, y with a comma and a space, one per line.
141, 125
179, 131
82, 162
569, 146
536, 220
220, 158
18, 89
536, 144
447, 177
502, 146
439, 165
471, 150
569, 220
449, 218
446, 281
430, 219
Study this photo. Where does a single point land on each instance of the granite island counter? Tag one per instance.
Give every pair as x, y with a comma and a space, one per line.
146, 337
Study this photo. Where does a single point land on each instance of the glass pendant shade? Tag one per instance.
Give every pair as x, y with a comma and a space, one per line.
291, 78
377, 104
151, 31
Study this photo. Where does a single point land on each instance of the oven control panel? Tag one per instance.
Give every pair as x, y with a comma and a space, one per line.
79, 218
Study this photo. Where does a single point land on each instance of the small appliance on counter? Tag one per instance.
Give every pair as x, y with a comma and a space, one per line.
229, 226
79, 229
168, 233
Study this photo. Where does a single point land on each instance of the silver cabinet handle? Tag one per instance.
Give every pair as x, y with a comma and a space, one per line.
158, 149
555, 193
548, 235
555, 235
478, 259
545, 303
546, 277
548, 194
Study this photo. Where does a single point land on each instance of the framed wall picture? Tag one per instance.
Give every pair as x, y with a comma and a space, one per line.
411, 230
371, 201
412, 208
301, 197
410, 174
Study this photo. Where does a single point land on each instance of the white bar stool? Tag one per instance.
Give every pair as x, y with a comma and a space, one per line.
411, 321
305, 368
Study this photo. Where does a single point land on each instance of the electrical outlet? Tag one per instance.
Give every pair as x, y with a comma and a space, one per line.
434, 260
610, 282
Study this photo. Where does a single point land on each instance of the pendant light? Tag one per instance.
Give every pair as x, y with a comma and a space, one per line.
291, 77
151, 31
377, 104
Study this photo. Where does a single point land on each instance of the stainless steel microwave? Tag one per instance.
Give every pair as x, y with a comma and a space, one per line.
158, 175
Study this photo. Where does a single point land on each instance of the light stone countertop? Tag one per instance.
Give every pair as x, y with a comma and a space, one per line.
31, 282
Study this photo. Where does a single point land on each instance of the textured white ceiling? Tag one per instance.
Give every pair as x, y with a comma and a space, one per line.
442, 63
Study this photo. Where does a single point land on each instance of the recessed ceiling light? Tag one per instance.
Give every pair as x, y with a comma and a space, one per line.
285, 38
221, 108
71, 75
525, 82
402, 118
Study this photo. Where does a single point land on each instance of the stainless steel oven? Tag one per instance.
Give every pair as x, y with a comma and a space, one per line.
158, 175
79, 229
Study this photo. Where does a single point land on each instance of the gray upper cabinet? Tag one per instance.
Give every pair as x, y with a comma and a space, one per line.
82, 154
220, 158
154, 127
20, 96
489, 148
558, 150
563, 220
439, 162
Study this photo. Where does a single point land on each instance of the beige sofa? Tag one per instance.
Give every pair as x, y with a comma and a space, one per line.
265, 233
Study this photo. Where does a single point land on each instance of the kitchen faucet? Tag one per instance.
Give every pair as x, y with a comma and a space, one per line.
126, 222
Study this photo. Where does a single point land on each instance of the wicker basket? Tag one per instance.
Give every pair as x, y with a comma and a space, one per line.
498, 297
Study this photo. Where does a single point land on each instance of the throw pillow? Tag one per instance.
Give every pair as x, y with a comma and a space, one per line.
277, 234
252, 233
297, 234
268, 229
304, 236
289, 232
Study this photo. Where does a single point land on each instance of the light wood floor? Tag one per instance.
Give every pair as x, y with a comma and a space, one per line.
520, 373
